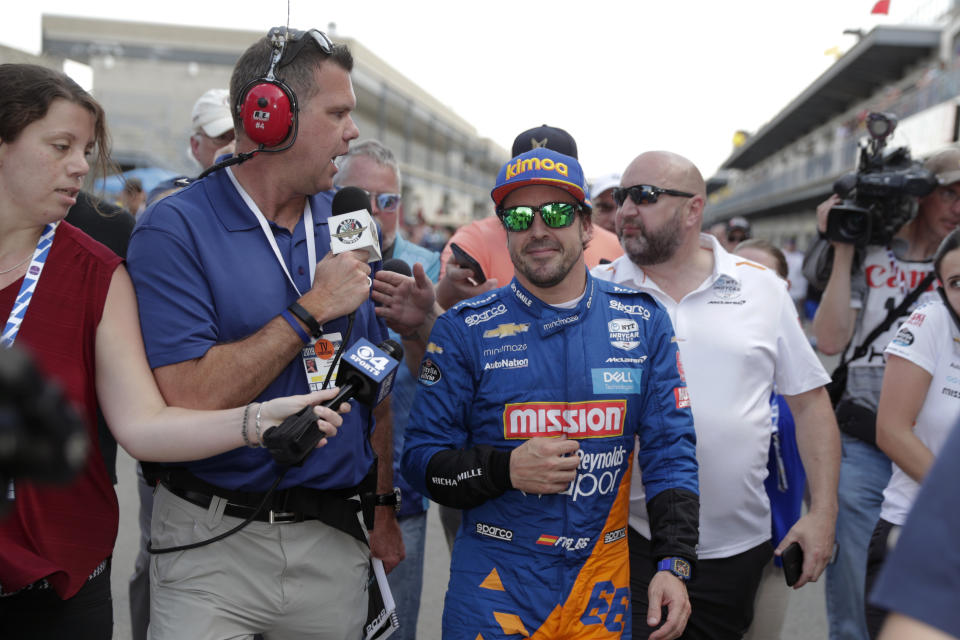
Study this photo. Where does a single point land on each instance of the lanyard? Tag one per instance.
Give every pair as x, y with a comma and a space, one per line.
899, 277
307, 228
25, 295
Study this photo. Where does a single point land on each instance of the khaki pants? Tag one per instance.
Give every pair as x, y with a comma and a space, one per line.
300, 580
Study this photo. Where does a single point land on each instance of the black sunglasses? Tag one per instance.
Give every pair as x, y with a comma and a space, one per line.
645, 194
293, 40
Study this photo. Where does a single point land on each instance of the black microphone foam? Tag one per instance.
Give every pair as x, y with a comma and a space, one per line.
349, 199
397, 266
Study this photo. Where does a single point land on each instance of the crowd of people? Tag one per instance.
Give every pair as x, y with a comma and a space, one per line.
618, 414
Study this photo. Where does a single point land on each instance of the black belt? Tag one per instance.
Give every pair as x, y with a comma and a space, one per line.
337, 508
244, 511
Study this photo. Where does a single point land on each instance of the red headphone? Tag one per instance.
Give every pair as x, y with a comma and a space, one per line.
267, 106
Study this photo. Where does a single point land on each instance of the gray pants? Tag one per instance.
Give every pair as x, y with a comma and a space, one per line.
140, 580
302, 580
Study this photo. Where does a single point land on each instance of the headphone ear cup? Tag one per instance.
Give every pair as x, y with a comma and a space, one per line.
267, 112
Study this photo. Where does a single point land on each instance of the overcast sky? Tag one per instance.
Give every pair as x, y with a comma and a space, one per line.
622, 76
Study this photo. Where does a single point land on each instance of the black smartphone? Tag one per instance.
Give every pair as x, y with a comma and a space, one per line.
792, 558
465, 260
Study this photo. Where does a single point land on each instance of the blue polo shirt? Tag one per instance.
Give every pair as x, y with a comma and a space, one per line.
404, 385
205, 274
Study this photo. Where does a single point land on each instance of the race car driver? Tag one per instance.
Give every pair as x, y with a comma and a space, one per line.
528, 401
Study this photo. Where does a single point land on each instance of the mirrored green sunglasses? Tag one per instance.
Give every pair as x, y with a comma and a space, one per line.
556, 215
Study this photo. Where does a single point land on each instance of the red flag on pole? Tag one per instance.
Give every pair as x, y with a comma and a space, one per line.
883, 6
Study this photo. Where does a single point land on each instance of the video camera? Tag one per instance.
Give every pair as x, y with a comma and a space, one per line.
41, 437
882, 195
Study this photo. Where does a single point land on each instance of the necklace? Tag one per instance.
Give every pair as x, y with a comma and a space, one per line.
17, 266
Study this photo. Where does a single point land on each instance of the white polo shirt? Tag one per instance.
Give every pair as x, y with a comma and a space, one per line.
930, 340
738, 333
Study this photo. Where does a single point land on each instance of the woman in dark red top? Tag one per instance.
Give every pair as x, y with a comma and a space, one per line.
68, 301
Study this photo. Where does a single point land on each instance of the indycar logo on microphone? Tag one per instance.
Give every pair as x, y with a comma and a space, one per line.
589, 419
349, 231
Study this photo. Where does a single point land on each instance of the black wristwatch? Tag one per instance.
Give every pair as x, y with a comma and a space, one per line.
388, 499
677, 566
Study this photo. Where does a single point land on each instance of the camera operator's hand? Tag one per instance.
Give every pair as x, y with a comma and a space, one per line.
823, 211
340, 285
835, 320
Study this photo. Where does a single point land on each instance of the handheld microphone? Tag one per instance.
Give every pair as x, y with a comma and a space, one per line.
351, 224
397, 266
366, 375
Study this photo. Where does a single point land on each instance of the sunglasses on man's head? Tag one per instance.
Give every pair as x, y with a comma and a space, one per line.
296, 39
645, 194
556, 215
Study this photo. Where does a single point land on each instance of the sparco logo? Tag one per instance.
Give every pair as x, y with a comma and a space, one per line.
632, 309
613, 536
591, 419
489, 314
491, 531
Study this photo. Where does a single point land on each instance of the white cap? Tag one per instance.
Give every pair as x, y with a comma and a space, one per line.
603, 183
211, 113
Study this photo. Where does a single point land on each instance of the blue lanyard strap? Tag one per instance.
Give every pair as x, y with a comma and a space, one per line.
22, 302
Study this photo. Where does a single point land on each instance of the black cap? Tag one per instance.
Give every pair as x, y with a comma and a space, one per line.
552, 138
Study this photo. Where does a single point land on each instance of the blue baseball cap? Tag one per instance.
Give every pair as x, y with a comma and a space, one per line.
540, 166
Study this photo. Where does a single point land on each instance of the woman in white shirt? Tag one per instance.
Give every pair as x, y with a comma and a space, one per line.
919, 405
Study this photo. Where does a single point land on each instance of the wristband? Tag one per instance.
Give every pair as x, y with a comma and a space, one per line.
259, 434
315, 330
243, 429
286, 315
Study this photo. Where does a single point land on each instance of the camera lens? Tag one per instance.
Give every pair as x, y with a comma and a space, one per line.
854, 225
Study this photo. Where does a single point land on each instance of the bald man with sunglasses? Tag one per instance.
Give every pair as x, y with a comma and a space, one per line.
738, 334
530, 401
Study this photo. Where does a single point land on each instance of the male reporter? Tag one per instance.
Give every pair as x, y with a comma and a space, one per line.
530, 399
233, 305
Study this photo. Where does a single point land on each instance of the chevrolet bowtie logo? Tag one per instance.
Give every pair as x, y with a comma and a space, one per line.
506, 330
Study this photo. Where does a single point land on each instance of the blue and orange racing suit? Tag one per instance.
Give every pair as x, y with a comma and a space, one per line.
505, 367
